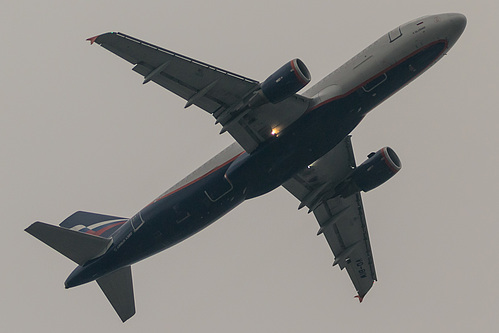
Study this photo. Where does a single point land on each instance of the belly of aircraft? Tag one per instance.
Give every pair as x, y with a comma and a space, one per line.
191, 209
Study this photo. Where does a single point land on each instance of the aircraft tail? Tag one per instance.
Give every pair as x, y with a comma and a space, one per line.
81, 237
77, 246
78, 238
118, 288
93, 223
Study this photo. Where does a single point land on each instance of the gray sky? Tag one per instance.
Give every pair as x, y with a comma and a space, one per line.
78, 131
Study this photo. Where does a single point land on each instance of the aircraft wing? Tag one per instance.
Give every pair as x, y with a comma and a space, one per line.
219, 92
341, 220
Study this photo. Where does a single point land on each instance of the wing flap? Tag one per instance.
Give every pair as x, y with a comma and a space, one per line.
183, 89
348, 238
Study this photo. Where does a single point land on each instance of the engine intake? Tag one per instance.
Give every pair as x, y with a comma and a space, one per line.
376, 170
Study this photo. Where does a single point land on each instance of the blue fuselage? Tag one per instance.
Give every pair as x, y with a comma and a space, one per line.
187, 210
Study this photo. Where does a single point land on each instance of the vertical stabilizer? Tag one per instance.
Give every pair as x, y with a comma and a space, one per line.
94, 224
118, 288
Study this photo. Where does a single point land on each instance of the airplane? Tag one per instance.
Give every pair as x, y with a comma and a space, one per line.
299, 141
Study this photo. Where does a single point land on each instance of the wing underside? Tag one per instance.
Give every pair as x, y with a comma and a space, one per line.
341, 220
225, 95
219, 92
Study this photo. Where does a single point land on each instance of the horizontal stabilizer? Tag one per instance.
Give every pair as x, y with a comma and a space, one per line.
118, 288
75, 245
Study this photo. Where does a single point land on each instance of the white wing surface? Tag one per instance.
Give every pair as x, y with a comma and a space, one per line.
341, 220
219, 92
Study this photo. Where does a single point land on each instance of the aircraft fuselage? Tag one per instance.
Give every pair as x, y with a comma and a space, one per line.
338, 104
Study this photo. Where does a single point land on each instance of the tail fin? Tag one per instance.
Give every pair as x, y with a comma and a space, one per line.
77, 246
118, 288
92, 223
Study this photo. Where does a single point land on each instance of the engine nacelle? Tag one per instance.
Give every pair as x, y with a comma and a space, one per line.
377, 169
286, 81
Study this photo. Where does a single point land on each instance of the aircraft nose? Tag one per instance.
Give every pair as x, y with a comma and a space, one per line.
457, 23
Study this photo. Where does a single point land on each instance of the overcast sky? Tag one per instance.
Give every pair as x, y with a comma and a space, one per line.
79, 131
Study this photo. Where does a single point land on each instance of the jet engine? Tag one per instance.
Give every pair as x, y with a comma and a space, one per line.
285, 82
377, 169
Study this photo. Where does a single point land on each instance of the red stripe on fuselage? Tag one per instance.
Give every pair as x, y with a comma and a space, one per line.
101, 231
199, 178
383, 72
